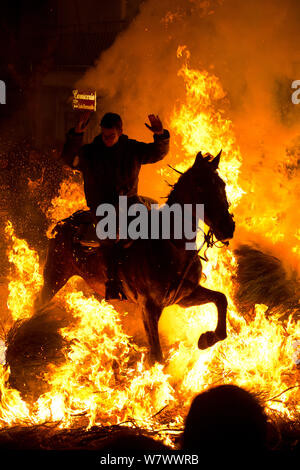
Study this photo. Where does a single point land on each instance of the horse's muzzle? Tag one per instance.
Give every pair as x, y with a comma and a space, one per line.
224, 232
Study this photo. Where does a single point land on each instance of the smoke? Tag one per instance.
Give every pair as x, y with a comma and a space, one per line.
251, 48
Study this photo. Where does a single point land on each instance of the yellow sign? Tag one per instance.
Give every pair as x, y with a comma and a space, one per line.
84, 100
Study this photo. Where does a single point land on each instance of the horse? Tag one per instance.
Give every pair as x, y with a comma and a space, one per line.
155, 273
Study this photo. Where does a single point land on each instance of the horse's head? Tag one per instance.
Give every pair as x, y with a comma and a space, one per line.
210, 190
201, 184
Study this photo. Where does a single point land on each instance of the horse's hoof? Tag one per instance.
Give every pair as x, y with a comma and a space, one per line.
210, 338
221, 336
207, 340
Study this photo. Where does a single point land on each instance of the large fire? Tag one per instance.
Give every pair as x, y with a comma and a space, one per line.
105, 378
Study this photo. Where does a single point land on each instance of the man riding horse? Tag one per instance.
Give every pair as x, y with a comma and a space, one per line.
110, 166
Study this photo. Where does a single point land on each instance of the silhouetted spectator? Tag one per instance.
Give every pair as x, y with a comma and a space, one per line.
224, 421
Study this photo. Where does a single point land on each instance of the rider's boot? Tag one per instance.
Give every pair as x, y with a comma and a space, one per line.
88, 236
113, 286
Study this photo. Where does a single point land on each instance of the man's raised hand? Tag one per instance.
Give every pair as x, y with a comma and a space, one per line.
156, 124
83, 121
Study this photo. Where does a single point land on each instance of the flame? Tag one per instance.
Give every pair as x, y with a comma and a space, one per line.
97, 379
26, 281
69, 200
105, 378
200, 124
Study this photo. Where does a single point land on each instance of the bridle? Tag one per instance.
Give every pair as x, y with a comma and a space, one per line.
210, 242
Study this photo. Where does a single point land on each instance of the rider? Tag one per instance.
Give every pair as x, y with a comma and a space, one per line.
110, 166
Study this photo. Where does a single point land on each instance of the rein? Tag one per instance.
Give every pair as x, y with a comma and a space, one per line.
210, 242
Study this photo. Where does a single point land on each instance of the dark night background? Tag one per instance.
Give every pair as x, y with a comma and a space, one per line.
45, 47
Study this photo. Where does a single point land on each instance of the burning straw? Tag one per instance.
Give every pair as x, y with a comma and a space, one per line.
84, 370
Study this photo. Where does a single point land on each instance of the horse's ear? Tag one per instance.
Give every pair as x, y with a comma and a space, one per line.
215, 162
198, 159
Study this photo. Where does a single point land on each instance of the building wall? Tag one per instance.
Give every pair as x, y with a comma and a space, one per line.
75, 12
57, 40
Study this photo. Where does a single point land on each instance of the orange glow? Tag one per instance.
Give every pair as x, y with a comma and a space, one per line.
106, 379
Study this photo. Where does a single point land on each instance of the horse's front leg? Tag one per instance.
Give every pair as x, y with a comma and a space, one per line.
201, 296
151, 314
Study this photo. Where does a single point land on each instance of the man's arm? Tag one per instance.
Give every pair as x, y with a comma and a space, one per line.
73, 151
157, 150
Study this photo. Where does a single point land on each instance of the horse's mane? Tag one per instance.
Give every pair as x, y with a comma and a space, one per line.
184, 180
177, 186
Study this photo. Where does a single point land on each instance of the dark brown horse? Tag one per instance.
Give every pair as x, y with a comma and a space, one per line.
154, 273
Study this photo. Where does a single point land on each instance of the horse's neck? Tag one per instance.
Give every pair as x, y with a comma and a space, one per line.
193, 220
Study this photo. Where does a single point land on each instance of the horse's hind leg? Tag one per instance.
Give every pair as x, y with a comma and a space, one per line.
56, 273
151, 314
201, 296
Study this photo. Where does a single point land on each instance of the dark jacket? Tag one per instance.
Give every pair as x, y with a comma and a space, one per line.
112, 171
